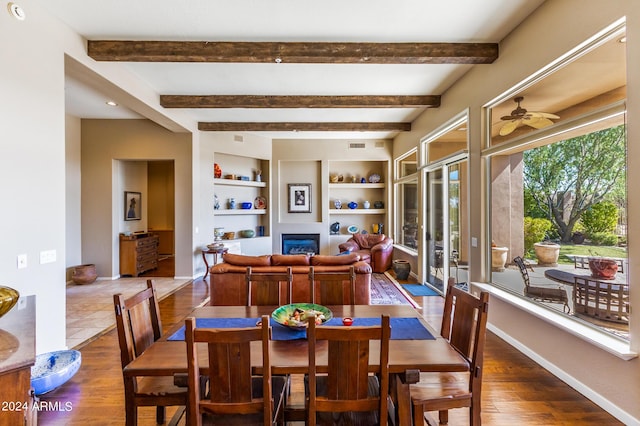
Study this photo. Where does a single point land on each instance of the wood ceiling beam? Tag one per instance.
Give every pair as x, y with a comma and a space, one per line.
302, 127
293, 52
254, 101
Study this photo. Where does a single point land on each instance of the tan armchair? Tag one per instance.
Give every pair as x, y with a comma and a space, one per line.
375, 249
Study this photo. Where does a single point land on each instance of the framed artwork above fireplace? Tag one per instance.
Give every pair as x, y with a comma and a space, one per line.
299, 197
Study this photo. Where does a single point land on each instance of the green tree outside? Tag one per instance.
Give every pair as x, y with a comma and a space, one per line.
575, 174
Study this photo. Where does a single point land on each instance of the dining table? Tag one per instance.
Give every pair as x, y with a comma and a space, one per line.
567, 276
414, 347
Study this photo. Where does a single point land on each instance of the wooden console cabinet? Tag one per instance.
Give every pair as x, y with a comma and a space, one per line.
17, 355
138, 253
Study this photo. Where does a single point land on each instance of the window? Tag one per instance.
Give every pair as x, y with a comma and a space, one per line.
558, 188
407, 200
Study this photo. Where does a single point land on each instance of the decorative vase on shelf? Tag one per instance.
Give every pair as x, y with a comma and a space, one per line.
84, 274
232, 203
366, 204
337, 204
8, 299
402, 268
353, 205
217, 171
335, 228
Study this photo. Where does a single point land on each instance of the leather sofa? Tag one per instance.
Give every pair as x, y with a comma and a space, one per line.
227, 282
375, 249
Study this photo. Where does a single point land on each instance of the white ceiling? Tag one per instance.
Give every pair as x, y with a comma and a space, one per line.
287, 20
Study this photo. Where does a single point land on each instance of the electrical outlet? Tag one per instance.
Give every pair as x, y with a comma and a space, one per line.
47, 256
22, 261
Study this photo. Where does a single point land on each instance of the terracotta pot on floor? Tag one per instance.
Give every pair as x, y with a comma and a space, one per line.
84, 274
402, 269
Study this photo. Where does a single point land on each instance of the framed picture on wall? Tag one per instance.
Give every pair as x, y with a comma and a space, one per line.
132, 205
299, 198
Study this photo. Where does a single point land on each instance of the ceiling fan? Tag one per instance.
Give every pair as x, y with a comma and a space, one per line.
518, 116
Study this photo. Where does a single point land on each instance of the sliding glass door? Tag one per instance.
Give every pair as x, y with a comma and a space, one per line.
446, 217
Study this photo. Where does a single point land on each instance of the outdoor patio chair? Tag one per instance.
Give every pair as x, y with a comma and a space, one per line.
541, 293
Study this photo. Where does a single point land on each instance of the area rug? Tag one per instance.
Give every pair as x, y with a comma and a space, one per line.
386, 291
420, 290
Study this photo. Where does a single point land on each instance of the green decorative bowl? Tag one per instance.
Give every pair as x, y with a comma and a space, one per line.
247, 233
8, 299
293, 315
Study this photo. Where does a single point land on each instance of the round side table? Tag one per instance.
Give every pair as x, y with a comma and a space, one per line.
215, 254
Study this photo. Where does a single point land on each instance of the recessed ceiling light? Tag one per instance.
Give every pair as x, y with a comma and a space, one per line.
16, 11
111, 103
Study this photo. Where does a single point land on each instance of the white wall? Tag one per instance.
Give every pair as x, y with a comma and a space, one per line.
554, 29
32, 175
72, 193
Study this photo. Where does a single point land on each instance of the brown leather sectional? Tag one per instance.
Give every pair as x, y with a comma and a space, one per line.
228, 285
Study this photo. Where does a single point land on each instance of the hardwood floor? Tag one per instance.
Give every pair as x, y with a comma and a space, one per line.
516, 390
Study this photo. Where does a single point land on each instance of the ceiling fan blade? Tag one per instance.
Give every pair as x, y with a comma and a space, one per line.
509, 127
538, 122
542, 115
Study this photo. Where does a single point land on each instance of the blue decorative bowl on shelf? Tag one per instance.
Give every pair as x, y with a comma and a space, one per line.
353, 205
53, 369
246, 205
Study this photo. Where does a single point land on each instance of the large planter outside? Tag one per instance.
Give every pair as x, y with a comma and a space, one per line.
547, 253
603, 268
498, 258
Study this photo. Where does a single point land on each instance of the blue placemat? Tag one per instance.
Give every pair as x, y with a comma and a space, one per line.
401, 328
419, 290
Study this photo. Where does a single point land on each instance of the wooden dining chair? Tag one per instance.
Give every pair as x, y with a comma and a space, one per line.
138, 324
464, 325
265, 288
332, 287
234, 396
348, 390
541, 293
